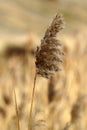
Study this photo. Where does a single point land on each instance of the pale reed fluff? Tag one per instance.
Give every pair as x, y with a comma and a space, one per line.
48, 55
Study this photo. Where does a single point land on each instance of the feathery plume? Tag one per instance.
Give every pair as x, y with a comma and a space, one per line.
48, 55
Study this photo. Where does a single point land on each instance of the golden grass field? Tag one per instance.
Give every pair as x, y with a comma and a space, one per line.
60, 103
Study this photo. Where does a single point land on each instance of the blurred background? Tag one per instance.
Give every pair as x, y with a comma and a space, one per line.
62, 105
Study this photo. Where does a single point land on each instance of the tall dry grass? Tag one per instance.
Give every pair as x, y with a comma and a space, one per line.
59, 103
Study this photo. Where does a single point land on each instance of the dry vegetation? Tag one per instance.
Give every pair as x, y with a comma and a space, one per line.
64, 97
60, 103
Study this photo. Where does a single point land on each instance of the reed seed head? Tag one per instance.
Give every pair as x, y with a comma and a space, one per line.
48, 55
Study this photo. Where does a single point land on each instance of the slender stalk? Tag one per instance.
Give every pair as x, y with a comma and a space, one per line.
31, 107
15, 98
16, 108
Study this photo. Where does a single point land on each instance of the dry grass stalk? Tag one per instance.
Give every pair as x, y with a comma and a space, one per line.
48, 56
16, 108
31, 107
15, 98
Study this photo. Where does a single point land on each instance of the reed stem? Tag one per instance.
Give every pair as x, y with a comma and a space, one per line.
31, 107
16, 108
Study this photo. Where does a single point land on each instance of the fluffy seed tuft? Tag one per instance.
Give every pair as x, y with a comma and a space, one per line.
48, 55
